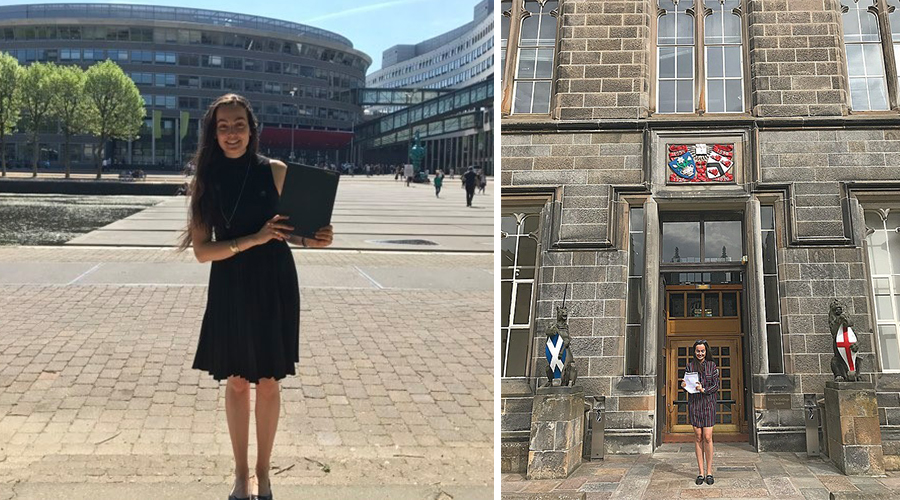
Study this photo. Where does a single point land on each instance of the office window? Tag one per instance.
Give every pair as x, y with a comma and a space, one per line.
519, 244
865, 61
211, 61
531, 37
188, 81
188, 60
883, 245
208, 82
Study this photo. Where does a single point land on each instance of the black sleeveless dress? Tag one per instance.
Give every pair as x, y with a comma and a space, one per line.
251, 327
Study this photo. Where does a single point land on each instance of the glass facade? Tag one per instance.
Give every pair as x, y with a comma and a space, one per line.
194, 67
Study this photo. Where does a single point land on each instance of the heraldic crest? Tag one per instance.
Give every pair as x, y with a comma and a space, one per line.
695, 163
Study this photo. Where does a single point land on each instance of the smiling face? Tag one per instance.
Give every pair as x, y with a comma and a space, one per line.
232, 130
700, 352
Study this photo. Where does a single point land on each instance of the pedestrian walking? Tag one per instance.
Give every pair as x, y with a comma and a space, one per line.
408, 172
704, 374
250, 330
469, 180
482, 180
438, 182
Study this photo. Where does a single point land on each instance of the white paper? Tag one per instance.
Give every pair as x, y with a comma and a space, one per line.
690, 381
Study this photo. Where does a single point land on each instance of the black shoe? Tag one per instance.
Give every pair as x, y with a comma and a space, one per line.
232, 497
263, 497
709, 479
698, 481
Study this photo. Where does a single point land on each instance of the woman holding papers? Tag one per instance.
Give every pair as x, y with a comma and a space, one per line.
701, 381
250, 332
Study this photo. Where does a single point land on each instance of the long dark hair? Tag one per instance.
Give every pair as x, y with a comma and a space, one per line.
694, 349
203, 209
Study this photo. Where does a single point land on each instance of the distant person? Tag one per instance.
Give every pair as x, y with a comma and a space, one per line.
469, 180
408, 172
438, 182
250, 330
482, 181
368, 170
397, 172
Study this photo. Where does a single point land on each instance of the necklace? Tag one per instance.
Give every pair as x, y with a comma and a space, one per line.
238, 201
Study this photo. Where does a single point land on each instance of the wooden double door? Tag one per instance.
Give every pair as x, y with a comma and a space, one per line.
713, 315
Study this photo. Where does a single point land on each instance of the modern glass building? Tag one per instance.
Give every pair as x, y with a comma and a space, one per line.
296, 76
456, 59
440, 89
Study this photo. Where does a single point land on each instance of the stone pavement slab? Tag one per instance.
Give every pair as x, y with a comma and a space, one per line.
369, 214
97, 394
669, 473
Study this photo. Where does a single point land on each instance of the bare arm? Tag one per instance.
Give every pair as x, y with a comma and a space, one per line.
206, 250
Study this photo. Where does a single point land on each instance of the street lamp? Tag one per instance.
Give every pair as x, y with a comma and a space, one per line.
294, 122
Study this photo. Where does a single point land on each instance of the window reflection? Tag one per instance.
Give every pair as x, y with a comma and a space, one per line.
723, 241
681, 242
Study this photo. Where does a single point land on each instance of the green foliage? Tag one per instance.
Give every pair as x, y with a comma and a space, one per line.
114, 105
10, 100
67, 103
36, 96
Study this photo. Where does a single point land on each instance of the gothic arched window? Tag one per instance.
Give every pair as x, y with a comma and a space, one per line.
865, 60
528, 38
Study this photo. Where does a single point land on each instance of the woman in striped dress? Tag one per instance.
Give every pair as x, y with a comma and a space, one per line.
702, 407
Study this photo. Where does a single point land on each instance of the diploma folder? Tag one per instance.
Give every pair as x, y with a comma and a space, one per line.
307, 197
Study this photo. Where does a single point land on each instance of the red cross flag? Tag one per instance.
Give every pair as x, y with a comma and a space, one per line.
846, 338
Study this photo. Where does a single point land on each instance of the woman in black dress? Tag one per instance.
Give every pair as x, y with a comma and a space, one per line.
250, 332
702, 407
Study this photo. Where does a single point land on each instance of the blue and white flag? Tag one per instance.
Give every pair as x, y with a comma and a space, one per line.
556, 356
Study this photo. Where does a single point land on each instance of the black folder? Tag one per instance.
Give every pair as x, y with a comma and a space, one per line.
307, 197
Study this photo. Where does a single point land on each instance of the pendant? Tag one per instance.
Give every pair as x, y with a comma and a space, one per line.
227, 225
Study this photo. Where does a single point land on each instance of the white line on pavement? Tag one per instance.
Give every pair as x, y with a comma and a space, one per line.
89, 271
369, 277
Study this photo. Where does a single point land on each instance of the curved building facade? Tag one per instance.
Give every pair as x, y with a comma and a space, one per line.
455, 59
297, 77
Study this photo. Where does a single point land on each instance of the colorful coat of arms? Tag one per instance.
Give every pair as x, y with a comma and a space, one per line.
701, 163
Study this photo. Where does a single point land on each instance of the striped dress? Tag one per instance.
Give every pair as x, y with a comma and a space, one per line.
702, 405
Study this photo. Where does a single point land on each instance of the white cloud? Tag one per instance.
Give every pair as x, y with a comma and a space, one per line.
359, 10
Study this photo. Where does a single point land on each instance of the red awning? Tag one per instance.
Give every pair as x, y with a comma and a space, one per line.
304, 139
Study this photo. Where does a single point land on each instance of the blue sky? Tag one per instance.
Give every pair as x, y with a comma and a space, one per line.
372, 25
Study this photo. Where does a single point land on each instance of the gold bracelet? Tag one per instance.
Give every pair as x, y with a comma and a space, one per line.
234, 246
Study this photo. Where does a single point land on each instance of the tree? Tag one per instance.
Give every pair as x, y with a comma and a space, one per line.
36, 100
68, 104
10, 100
115, 108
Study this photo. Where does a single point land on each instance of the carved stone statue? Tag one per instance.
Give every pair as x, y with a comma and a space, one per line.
845, 365
559, 355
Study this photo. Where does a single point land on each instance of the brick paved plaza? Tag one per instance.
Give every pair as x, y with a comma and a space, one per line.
97, 391
739, 470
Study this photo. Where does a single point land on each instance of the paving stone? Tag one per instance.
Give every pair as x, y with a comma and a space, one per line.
116, 385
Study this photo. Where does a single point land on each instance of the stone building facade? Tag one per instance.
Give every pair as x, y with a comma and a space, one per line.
706, 169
